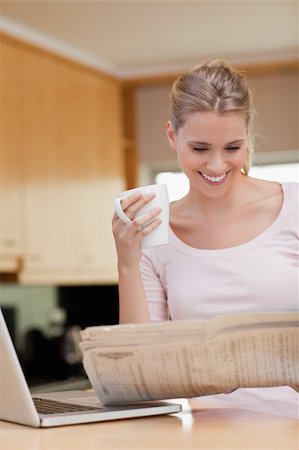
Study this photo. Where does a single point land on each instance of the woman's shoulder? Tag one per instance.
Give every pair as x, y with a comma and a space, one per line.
274, 187
291, 201
282, 200
275, 195
291, 188
288, 191
265, 187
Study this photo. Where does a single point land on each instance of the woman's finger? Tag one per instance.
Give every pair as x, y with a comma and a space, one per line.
133, 205
128, 201
149, 227
140, 223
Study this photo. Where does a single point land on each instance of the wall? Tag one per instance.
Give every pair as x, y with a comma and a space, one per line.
276, 101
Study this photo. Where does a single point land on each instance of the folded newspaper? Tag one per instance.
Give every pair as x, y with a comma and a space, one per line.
190, 358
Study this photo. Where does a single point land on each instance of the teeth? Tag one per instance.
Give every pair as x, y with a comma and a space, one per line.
213, 179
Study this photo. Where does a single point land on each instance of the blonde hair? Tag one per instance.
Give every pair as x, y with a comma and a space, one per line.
213, 87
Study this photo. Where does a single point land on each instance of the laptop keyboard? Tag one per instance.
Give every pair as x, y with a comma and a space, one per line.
47, 406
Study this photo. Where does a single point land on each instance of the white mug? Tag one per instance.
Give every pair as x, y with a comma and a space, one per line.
159, 235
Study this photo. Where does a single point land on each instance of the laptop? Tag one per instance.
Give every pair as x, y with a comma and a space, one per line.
58, 408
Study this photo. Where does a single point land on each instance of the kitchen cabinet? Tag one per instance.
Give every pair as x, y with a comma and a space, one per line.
10, 169
10, 213
69, 153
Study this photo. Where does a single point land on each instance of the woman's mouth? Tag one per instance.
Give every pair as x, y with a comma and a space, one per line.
219, 179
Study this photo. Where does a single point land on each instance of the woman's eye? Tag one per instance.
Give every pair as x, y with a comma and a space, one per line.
200, 149
232, 148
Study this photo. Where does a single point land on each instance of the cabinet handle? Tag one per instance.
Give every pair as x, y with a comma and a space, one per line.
9, 243
88, 258
35, 257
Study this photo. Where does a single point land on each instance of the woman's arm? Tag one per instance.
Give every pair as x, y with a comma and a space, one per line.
132, 301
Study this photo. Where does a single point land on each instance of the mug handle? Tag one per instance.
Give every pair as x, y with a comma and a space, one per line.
119, 211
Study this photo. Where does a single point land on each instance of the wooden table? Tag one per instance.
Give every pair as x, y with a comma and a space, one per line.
243, 420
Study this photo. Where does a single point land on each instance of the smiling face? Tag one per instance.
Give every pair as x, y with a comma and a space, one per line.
211, 150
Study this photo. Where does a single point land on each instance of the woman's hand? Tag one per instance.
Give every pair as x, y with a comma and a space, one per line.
128, 236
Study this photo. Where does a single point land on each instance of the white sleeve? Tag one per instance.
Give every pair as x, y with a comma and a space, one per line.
154, 291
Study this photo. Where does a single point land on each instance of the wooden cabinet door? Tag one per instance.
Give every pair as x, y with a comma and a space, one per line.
10, 166
70, 139
73, 173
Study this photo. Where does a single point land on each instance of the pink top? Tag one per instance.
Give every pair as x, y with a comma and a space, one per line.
183, 282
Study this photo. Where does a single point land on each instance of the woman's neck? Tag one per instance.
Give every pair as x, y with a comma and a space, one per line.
236, 196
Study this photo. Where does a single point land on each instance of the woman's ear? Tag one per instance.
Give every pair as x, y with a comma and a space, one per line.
171, 135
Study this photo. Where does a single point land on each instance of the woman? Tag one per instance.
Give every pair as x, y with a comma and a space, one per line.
233, 239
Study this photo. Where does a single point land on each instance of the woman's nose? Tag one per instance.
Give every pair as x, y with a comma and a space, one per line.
216, 164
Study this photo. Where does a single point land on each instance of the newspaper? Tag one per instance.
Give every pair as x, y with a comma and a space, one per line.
190, 358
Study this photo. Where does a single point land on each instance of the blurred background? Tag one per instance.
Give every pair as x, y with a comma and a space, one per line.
84, 101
